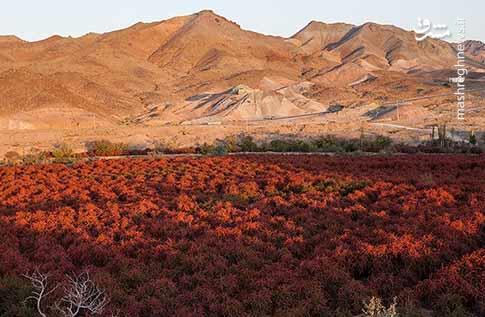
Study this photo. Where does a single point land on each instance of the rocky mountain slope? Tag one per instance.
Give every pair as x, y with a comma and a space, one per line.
124, 75
475, 50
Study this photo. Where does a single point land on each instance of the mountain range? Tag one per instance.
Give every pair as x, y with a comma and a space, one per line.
203, 67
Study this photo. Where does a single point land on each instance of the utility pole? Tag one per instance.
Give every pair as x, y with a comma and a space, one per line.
362, 137
442, 134
94, 121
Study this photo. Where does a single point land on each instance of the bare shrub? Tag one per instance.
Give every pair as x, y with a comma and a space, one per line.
82, 295
41, 289
375, 308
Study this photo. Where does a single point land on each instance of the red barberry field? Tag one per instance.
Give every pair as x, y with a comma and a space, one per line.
262, 235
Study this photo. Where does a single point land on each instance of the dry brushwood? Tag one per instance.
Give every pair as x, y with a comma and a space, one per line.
82, 295
375, 308
41, 289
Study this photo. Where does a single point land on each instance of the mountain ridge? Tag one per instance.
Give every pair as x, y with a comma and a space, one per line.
121, 74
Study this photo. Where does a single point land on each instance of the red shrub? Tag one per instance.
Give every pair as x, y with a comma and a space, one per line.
254, 235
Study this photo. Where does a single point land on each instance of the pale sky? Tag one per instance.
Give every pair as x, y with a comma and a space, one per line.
34, 19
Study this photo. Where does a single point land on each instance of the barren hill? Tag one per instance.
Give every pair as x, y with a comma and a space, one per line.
316, 36
475, 50
385, 46
124, 75
209, 51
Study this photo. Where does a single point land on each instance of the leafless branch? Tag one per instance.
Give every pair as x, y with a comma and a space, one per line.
82, 294
41, 289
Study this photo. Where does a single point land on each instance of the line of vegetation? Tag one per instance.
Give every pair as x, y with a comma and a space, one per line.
64, 154
333, 144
